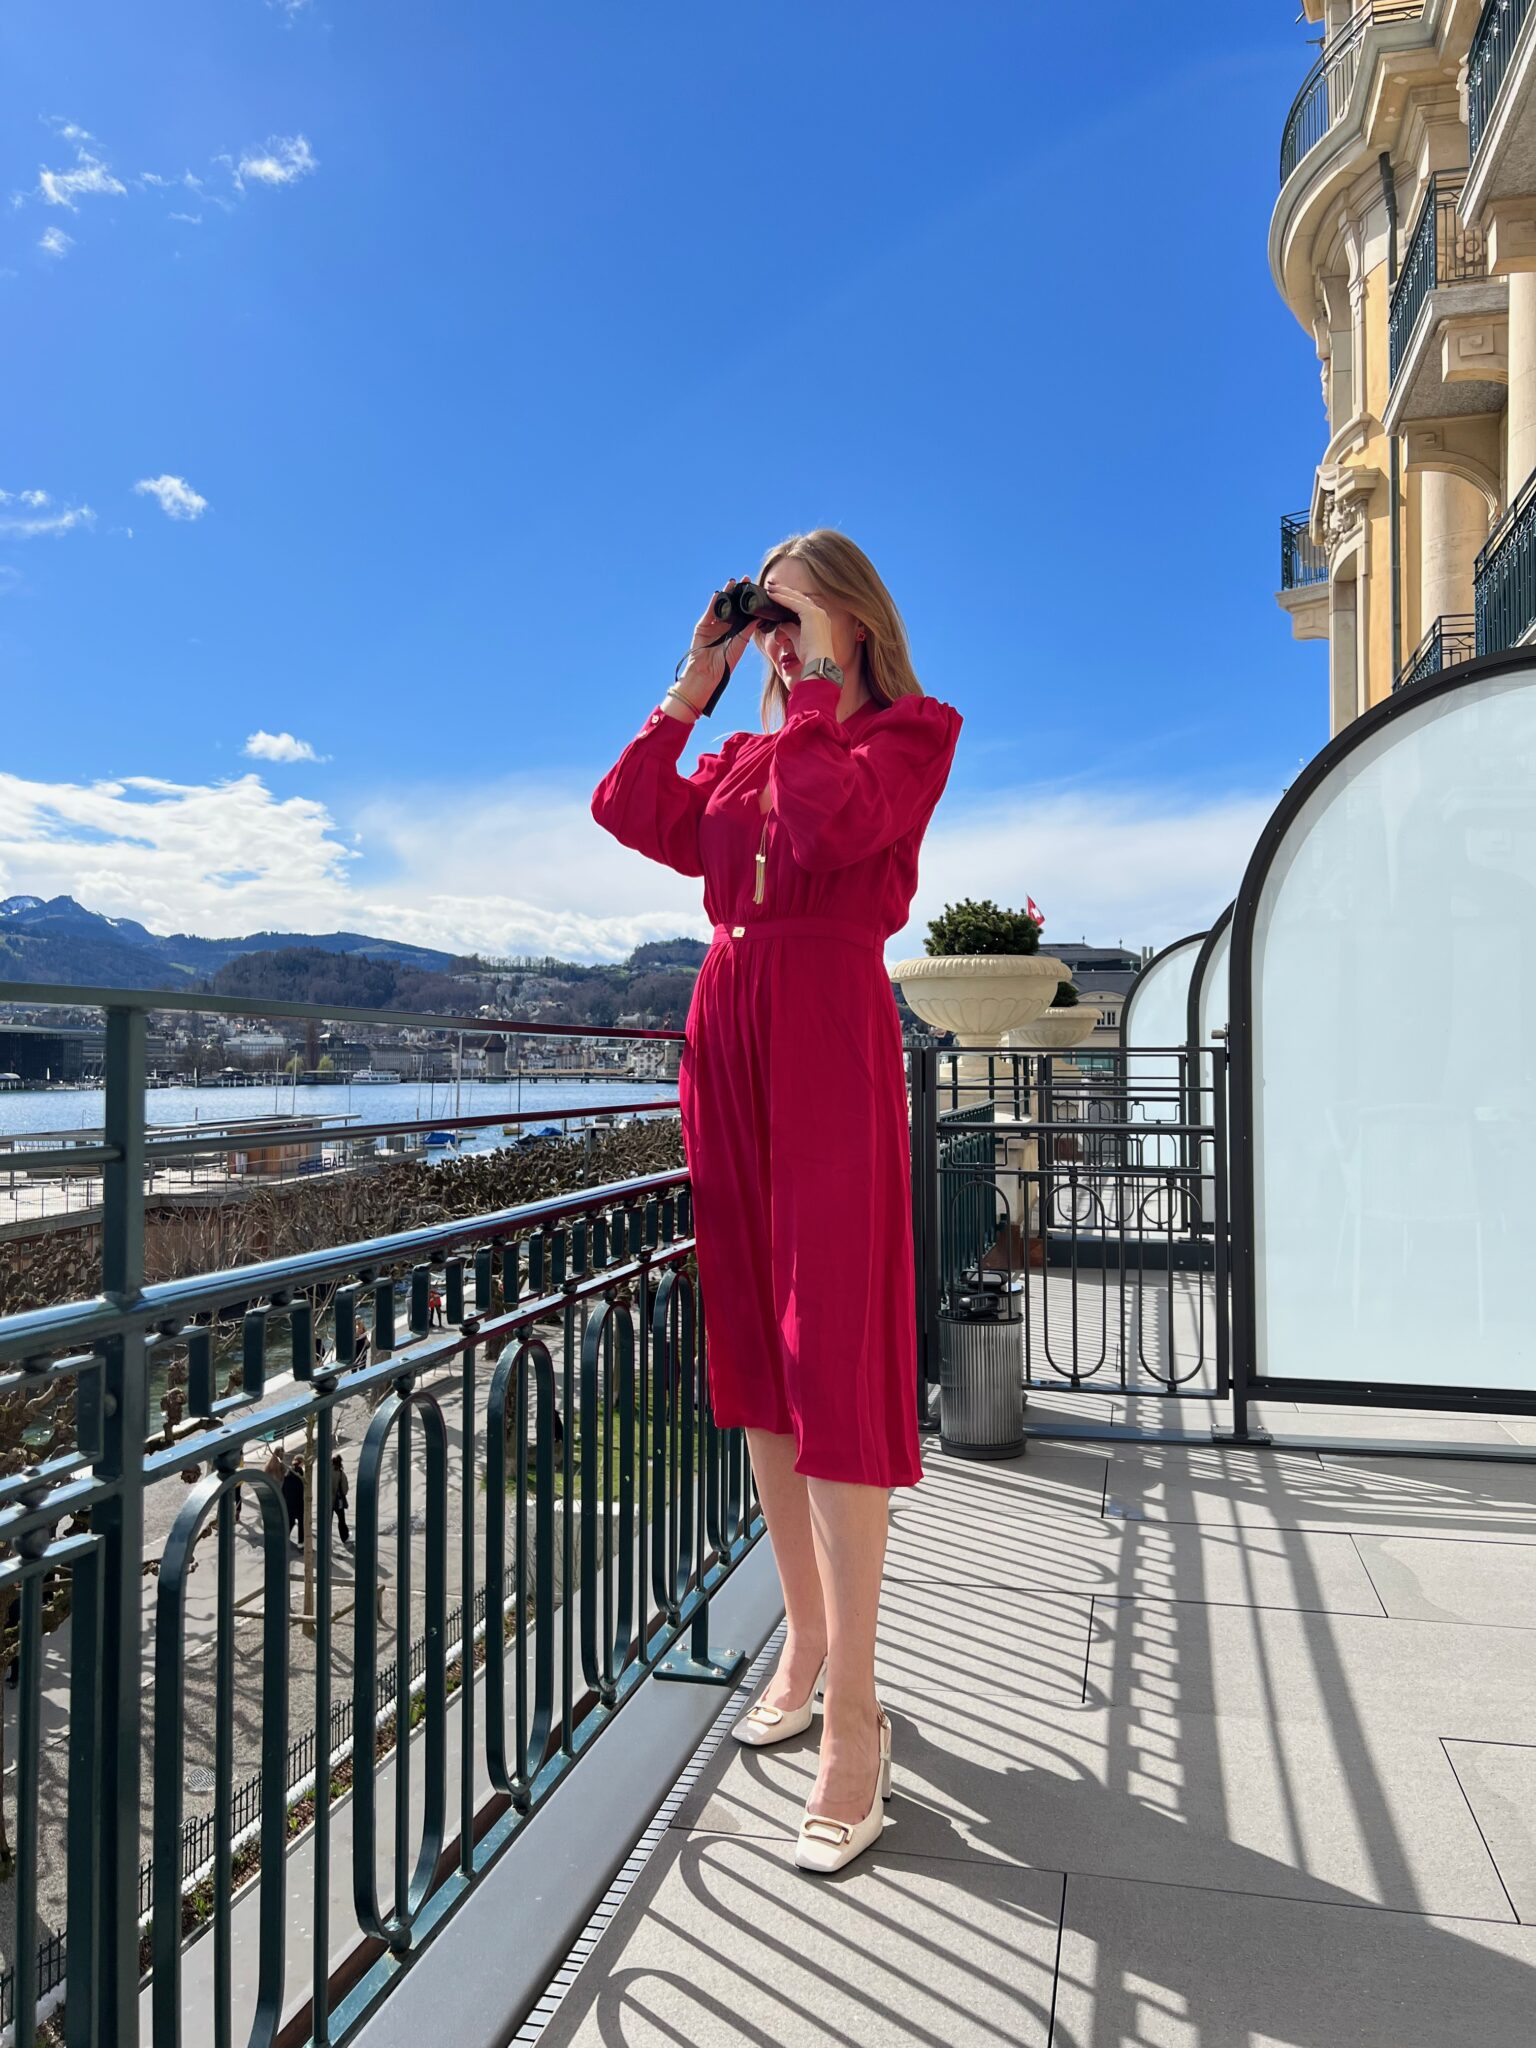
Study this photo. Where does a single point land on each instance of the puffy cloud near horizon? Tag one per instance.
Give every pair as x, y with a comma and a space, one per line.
520, 866
174, 495
280, 746
222, 859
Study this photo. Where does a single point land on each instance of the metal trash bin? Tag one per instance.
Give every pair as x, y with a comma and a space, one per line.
981, 1372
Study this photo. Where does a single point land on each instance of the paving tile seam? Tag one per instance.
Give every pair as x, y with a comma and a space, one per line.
1472, 1810
1088, 1651
1236, 1606
879, 1849
1355, 1547
1417, 1532
1061, 1932
1331, 1613
1292, 1899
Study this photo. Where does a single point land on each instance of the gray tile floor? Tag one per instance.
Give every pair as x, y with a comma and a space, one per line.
1194, 1748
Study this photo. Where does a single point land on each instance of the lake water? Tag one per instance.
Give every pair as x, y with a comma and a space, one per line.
28, 1111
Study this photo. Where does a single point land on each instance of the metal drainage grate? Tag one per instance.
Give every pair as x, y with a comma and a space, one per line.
585, 1942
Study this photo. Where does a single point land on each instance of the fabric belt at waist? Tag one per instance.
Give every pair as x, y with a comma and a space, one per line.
801, 928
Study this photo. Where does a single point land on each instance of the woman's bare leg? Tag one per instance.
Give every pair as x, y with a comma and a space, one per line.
786, 1508
849, 1523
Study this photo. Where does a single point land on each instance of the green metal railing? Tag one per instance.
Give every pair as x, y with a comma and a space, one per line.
1302, 561
1325, 91
1489, 57
1504, 579
624, 1404
1441, 250
1452, 638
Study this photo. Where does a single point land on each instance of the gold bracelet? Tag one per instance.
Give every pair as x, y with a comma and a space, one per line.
672, 692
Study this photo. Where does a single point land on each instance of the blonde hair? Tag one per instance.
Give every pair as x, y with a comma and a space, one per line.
840, 570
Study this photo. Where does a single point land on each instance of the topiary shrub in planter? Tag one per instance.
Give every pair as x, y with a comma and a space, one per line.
972, 927
983, 973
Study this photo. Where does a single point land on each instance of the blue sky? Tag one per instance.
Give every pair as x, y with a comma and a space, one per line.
403, 378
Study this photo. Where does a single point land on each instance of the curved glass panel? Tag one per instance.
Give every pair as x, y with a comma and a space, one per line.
1157, 1014
1212, 1009
1393, 997
1213, 990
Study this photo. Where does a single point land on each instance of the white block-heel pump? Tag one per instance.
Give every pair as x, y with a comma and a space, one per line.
762, 1724
826, 1844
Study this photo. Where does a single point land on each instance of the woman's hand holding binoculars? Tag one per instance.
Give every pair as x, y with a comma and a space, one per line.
739, 612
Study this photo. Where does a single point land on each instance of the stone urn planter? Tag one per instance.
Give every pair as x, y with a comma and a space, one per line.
982, 998
1056, 1030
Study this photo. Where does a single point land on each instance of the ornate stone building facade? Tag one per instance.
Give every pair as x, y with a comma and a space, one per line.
1404, 241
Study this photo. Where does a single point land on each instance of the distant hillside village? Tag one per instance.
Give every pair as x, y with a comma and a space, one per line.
60, 943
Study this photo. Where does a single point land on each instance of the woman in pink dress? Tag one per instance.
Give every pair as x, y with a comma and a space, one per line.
792, 1093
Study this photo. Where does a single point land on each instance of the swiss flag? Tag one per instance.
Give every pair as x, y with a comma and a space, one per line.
1035, 911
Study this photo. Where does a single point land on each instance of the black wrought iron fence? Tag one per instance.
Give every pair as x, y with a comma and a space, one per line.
1104, 1195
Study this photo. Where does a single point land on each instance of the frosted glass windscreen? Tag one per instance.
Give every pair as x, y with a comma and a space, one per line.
1157, 1014
1394, 1043
1208, 1074
1213, 990
1157, 1010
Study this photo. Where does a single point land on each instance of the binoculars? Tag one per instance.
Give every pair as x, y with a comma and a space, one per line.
740, 609
748, 604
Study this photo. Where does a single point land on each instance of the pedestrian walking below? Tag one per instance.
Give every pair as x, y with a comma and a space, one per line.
340, 1495
293, 1499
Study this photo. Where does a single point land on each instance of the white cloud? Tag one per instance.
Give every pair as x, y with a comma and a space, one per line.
54, 242
292, 8
282, 160
1137, 863
21, 526
174, 495
193, 220
71, 131
280, 746
223, 860
89, 179
36, 499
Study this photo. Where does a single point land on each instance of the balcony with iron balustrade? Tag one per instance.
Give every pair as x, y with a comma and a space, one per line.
1322, 142
1450, 639
1303, 592
1504, 585
1448, 326
1501, 106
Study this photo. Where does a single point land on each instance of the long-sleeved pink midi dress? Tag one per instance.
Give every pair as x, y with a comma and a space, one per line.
792, 1080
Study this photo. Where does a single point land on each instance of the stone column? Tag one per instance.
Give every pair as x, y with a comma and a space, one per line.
1453, 524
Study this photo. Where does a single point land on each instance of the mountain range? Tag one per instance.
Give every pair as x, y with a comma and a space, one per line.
59, 941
